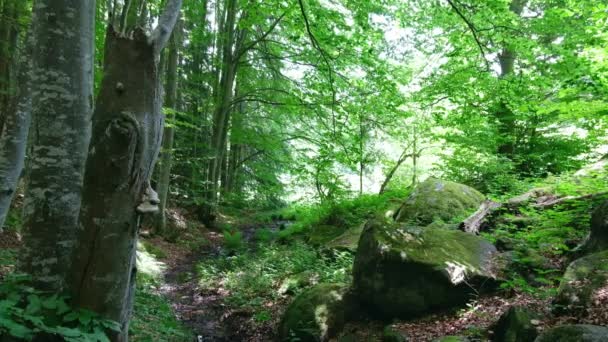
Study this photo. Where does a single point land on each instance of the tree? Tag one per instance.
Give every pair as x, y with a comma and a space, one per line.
62, 101
16, 117
127, 133
169, 130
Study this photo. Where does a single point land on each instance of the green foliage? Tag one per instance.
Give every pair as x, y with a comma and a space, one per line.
155, 251
153, 318
254, 278
8, 257
265, 235
343, 214
13, 221
233, 240
26, 313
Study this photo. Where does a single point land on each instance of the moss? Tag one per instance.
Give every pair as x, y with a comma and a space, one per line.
452, 339
322, 234
403, 271
515, 325
436, 199
348, 240
583, 278
434, 246
575, 333
316, 314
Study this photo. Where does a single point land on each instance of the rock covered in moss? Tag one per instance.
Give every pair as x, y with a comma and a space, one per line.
436, 199
403, 271
317, 314
452, 339
583, 281
575, 333
348, 240
390, 334
598, 236
515, 325
322, 234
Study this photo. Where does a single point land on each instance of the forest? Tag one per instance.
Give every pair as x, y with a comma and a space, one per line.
304, 170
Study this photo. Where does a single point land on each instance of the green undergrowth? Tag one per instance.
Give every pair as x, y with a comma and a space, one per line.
258, 277
28, 314
8, 257
340, 215
544, 239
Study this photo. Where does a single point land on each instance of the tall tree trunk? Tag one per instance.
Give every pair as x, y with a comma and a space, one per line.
504, 115
14, 137
166, 157
221, 116
62, 101
11, 12
127, 133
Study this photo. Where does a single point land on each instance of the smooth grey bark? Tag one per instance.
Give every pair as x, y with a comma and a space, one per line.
166, 158
127, 133
221, 116
62, 36
13, 139
504, 115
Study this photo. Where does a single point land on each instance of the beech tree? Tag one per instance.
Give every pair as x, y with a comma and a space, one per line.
62, 102
127, 133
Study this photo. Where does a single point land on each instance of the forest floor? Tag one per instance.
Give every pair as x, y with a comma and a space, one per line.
204, 311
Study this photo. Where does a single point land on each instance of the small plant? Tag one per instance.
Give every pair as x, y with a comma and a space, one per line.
26, 313
264, 235
233, 240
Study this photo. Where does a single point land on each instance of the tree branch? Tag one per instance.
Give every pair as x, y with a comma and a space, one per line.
473, 31
161, 34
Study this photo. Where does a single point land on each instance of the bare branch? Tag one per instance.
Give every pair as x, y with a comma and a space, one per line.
161, 34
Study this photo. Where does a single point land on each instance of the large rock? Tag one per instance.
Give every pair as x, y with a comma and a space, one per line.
317, 314
575, 333
598, 236
403, 271
349, 240
436, 199
583, 281
515, 325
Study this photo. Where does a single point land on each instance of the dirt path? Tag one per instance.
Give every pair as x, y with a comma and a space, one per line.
204, 312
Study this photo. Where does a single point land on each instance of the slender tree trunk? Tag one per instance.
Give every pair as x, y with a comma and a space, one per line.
168, 132
127, 133
13, 139
391, 173
504, 115
221, 117
12, 12
62, 100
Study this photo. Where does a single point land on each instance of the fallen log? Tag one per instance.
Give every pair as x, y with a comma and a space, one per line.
474, 222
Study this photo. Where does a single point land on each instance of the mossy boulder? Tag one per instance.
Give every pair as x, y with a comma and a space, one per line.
317, 314
515, 325
575, 333
403, 271
297, 281
390, 334
452, 339
349, 240
598, 236
439, 200
582, 282
322, 234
